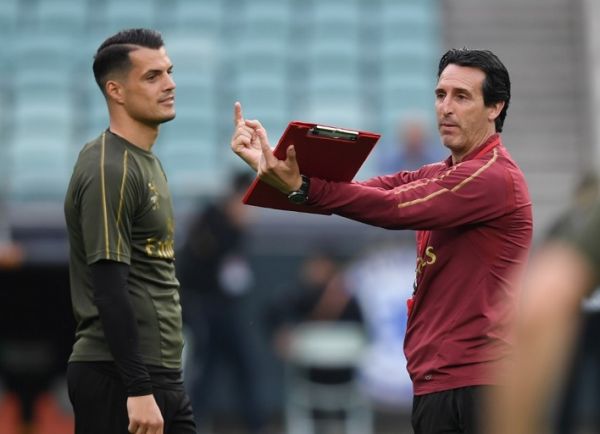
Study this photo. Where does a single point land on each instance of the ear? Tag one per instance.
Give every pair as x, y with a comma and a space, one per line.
495, 110
114, 91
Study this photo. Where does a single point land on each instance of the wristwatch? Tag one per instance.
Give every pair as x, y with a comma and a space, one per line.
300, 196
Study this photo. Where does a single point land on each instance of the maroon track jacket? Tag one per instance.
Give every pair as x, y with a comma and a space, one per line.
474, 223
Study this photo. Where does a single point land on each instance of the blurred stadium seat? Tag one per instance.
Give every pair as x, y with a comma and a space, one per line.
197, 17
131, 13
344, 11
61, 16
9, 16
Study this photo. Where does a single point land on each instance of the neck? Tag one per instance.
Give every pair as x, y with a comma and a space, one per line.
139, 134
457, 157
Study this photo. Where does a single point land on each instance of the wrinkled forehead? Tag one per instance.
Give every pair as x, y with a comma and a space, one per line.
461, 77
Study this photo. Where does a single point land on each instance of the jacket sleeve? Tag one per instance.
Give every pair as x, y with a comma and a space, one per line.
389, 182
469, 192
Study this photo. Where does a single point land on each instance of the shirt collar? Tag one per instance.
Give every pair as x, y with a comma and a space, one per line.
491, 142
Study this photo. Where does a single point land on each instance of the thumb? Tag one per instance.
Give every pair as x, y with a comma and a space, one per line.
291, 154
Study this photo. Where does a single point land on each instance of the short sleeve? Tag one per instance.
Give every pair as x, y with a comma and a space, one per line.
107, 209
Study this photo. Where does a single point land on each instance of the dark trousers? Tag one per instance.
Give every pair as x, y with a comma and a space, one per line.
451, 411
100, 403
578, 405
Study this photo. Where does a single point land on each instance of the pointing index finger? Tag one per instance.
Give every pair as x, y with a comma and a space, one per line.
237, 113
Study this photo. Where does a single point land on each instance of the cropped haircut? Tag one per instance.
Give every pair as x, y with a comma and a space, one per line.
496, 86
113, 54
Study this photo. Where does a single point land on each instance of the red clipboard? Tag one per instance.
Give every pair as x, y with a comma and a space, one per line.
330, 153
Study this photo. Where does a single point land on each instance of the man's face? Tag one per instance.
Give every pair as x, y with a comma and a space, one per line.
464, 122
149, 89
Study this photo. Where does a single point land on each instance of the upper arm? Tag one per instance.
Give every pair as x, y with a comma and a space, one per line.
107, 209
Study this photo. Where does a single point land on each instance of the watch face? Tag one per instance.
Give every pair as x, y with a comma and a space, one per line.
297, 197
300, 196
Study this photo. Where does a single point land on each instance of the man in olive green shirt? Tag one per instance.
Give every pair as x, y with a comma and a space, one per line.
124, 373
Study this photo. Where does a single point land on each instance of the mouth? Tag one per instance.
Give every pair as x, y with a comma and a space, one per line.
168, 100
447, 125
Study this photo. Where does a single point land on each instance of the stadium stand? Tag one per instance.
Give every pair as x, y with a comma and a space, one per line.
285, 60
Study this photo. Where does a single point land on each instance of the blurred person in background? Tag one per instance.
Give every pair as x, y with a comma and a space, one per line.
412, 147
319, 294
217, 279
312, 323
474, 221
563, 272
584, 198
124, 373
572, 408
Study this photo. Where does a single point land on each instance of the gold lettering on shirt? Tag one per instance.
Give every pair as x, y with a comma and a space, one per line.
431, 257
164, 249
427, 259
153, 196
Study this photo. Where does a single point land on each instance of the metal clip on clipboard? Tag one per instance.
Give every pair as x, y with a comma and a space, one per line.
334, 133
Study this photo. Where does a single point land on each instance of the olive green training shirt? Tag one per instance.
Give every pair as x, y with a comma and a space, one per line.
118, 207
587, 240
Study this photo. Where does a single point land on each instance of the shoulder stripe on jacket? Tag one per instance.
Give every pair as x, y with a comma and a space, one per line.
478, 171
456, 187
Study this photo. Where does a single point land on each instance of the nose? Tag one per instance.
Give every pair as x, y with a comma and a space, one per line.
444, 106
170, 84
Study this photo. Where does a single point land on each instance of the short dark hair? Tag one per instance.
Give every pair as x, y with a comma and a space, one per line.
113, 53
496, 86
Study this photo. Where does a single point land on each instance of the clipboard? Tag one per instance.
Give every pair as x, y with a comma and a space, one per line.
329, 153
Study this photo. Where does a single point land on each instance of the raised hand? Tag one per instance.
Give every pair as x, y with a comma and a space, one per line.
244, 141
284, 175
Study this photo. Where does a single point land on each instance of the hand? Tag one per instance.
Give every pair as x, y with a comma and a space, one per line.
284, 175
144, 415
244, 141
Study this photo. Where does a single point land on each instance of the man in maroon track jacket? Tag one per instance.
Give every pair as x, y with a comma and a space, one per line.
473, 217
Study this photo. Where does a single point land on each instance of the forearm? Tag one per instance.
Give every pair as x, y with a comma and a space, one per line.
370, 205
119, 324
